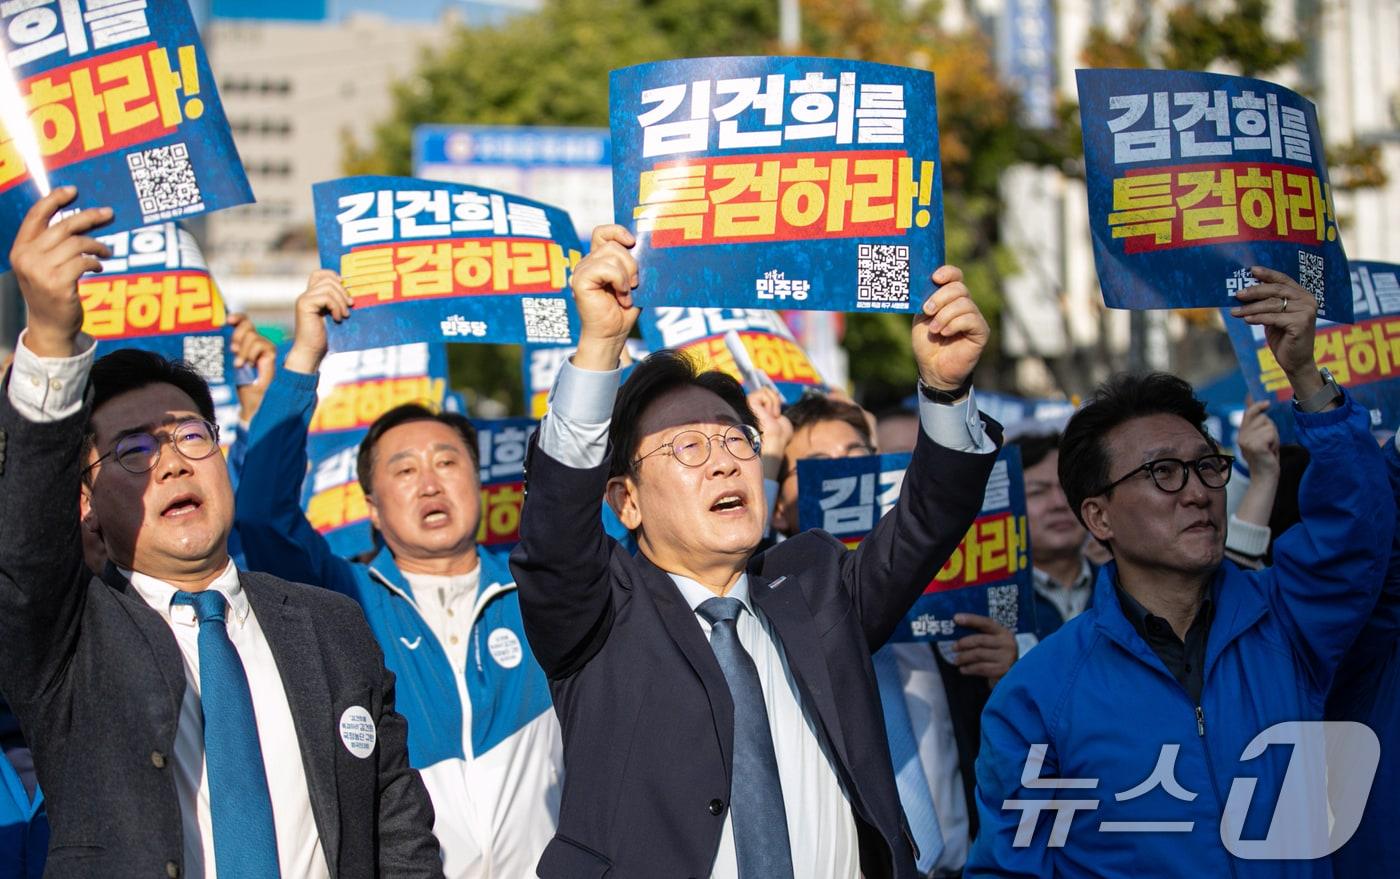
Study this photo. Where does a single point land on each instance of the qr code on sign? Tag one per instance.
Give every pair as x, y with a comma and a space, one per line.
165, 183
546, 320
882, 275
1312, 276
1003, 604
205, 355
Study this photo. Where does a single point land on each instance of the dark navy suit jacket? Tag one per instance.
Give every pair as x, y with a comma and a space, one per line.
647, 716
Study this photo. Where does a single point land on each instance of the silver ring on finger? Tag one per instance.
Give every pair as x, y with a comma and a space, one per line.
1283, 303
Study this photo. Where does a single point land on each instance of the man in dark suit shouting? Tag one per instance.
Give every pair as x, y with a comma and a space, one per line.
719, 707
186, 718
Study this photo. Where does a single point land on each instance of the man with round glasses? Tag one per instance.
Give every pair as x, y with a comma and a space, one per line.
1141, 726
720, 710
186, 718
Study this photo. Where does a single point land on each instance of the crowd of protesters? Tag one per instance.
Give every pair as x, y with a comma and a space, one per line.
196, 685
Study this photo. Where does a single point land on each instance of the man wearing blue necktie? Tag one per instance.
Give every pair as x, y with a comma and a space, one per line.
186, 718
720, 711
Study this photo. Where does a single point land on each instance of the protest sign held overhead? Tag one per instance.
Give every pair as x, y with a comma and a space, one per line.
1364, 356
1195, 177
118, 100
443, 262
988, 574
356, 387
156, 293
778, 182
753, 345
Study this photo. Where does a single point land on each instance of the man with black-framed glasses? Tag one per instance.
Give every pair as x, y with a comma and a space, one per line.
186, 718
720, 710
1143, 720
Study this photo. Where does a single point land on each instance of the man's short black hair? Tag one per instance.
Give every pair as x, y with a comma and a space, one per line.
130, 369
662, 372
814, 409
1035, 447
1084, 459
408, 412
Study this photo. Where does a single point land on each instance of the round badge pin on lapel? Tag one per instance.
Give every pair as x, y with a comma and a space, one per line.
357, 731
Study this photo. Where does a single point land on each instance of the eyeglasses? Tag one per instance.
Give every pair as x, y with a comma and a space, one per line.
139, 452
1170, 474
692, 447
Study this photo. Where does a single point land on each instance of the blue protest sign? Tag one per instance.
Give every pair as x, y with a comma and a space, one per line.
502, 443
356, 387
988, 574
156, 293
443, 262
119, 100
788, 183
1364, 356
334, 502
1194, 177
753, 345
540, 365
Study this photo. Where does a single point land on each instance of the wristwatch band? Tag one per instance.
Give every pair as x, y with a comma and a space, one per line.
946, 397
1323, 398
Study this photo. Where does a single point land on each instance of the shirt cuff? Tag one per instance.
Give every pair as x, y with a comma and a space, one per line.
1247, 538
575, 432
956, 426
44, 389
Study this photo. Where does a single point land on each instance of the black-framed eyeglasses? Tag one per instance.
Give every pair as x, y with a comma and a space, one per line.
692, 447
195, 440
1170, 474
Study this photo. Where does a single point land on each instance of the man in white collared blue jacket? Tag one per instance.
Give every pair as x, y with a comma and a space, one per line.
481, 729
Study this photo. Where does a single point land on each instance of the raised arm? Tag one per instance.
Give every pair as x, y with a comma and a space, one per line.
1328, 569
947, 477
42, 426
276, 536
561, 564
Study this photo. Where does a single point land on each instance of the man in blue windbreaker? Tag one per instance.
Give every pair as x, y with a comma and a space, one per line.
1367, 690
1129, 745
481, 728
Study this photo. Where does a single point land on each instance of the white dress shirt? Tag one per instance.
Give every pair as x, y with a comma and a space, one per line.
820, 824
299, 851
45, 389
821, 828
927, 702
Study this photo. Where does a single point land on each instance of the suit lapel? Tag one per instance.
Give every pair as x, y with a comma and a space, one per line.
169, 663
685, 631
292, 639
787, 611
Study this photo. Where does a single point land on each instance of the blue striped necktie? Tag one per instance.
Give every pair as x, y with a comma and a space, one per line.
758, 815
245, 839
909, 776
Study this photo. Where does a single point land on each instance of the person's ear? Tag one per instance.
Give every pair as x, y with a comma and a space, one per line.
87, 516
779, 519
1096, 516
373, 512
621, 495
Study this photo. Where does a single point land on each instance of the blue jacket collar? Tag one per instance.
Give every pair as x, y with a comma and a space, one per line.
1238, 606
495, 571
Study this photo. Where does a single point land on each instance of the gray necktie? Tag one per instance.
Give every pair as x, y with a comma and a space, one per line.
756, 792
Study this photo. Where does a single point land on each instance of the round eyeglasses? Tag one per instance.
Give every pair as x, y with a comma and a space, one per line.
195, 440
692, 447
1170, 474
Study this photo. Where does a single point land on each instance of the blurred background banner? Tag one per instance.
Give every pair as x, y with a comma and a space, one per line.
568, 167
1195, 177
988, 574
775, 182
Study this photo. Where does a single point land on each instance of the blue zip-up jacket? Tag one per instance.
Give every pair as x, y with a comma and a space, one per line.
488, 746
24, 825
1105, 708
1367, 691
